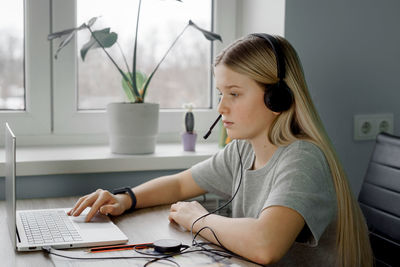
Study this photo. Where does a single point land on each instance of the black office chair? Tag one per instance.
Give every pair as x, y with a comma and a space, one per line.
380, 200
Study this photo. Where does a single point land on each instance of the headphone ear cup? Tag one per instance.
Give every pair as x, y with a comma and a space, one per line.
278, 97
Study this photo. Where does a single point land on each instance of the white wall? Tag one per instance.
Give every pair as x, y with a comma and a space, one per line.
350, 50
260, 16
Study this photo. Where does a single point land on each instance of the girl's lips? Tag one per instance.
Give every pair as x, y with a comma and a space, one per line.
227, 124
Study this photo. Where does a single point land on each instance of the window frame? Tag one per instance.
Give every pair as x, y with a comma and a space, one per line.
51, 115
35, 119
67, 120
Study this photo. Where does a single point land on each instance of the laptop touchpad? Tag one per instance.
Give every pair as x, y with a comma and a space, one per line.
98, 220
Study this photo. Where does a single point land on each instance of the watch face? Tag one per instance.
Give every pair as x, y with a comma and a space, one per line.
119, 191
131, 195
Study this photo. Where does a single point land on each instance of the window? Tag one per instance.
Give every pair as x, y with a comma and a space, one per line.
88, 117
56, 106
184, 75
12, 89
26, 97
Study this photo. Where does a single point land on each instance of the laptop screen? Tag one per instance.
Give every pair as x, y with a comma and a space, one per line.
10, 159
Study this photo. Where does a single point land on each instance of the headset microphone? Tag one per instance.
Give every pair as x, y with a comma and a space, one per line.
212, 127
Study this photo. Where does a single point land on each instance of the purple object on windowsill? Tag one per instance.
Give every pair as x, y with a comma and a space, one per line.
189, 141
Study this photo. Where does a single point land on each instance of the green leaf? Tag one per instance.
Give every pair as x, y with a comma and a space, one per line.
69, 33
140, 79
64, 43
101, 38
59, 34
211, 36
128, 87
92, 21
128, 91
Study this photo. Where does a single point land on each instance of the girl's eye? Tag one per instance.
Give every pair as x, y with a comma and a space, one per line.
219, 95
234, 94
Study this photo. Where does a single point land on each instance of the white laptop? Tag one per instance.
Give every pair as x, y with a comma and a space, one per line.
33, 229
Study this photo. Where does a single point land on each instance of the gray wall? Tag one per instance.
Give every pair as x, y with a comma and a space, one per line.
350, 52
77, 184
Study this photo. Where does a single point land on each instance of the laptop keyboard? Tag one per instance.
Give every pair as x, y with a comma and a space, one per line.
51, 226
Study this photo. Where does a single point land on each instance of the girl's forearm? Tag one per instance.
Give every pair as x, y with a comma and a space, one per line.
167, 190
239, 235
163, 190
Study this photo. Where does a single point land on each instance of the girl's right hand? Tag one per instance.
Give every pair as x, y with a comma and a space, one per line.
101, 201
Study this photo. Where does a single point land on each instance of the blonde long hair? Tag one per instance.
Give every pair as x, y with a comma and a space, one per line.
253, 56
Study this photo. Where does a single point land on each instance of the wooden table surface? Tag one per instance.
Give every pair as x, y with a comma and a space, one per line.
142, 226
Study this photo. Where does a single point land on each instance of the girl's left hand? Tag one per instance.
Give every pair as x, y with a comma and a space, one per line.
185, 213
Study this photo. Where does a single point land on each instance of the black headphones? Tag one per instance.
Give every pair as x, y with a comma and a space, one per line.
278, 97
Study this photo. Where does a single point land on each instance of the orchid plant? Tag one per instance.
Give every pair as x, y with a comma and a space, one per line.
134, 82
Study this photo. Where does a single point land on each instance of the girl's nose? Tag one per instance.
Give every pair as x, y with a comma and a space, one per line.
221, 106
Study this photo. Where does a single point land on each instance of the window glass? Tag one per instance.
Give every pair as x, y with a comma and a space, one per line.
183, 77
12, 91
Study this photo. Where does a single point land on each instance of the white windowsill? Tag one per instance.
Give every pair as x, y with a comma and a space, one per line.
45, 160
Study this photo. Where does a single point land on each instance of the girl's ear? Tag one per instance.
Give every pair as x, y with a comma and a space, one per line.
276, 113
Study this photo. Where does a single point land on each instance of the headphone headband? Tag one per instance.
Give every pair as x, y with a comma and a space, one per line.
278, 97
276, 48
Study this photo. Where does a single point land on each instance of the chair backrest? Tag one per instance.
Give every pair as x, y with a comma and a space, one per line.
380, 200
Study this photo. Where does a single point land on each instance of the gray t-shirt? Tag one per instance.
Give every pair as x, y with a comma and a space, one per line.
297, 176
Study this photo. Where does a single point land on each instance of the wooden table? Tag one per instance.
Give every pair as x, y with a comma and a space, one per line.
142, 226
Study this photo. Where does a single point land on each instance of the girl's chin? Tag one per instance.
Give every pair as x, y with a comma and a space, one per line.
232, 135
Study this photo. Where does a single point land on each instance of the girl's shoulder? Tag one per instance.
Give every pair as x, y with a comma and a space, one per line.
304, 152
303, 146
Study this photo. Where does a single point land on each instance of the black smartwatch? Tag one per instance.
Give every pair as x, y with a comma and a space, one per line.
131, 194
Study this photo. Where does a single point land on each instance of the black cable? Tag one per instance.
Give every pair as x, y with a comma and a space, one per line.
160, 259
184, 247
212, 252
152, 259
223, 206
225, 253
214, 234
50, 250
165, 257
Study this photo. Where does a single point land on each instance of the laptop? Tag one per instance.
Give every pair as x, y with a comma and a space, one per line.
32, 229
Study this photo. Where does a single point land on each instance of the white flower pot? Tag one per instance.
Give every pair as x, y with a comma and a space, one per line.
132, 127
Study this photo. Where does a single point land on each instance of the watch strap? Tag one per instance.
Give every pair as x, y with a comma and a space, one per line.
130, 193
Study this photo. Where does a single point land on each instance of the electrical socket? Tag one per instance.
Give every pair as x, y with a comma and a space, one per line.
368, 126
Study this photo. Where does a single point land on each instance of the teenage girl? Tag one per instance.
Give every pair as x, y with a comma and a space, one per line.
292, 204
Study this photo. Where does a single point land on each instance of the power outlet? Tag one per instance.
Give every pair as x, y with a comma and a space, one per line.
368, 126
